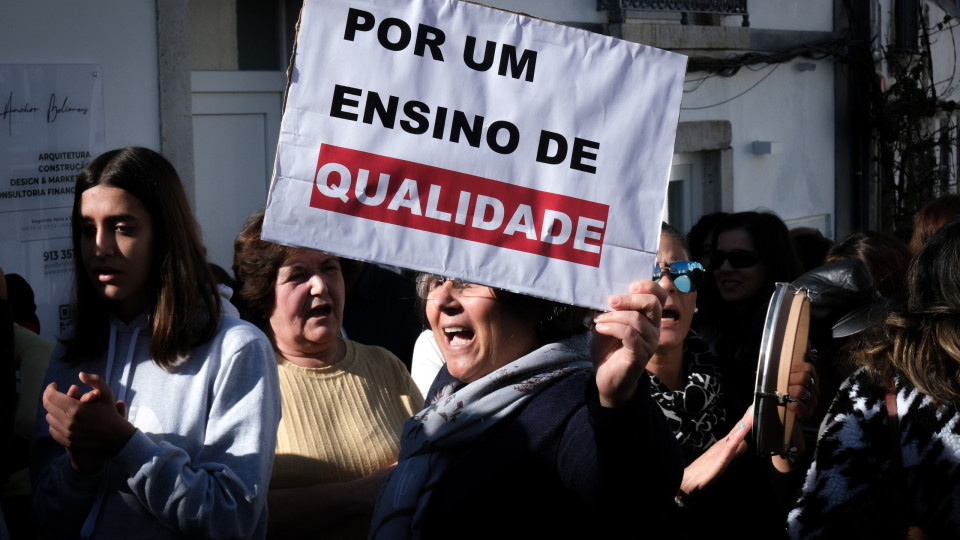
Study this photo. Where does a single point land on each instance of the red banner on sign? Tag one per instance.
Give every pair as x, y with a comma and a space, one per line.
451, 203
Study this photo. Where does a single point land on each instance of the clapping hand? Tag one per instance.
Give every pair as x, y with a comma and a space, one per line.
90, 426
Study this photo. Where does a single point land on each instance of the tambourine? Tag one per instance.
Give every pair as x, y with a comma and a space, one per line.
784, 342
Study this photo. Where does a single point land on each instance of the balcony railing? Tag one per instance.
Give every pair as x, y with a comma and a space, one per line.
683, 7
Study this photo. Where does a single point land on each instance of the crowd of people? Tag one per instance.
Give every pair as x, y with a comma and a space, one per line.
190, 402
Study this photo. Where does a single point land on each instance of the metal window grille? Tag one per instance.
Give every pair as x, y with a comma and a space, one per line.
683, 7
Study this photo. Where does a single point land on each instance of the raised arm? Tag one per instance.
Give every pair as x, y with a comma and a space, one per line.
625, 339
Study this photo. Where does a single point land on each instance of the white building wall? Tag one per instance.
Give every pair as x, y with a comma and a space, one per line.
120, 35
794, 109
778, 103
807, 15
944, 47
781, 103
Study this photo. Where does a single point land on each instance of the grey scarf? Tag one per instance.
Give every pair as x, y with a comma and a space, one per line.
457, 417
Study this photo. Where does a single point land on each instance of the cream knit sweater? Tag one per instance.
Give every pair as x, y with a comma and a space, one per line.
342, 422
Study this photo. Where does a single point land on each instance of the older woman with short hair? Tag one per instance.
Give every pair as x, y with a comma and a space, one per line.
344, 403
534, 427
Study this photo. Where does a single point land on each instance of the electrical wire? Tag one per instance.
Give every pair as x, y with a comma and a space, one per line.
697, 87
754, 85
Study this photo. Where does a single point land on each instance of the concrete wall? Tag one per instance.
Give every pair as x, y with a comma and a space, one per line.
783, 105
120, 35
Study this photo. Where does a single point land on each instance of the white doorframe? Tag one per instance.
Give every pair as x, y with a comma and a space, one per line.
684, 203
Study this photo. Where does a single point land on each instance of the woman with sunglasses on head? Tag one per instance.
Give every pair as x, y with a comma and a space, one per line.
534, 428
687, 384
175, 438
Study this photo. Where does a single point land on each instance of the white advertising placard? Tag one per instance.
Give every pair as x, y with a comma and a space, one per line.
51, 126
478, 144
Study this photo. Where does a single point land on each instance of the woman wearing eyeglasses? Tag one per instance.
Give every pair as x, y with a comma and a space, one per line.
535, 427
343, 403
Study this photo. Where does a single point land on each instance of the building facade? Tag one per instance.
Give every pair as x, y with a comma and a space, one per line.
781, 108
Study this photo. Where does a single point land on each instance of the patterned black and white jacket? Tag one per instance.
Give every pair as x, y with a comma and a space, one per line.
854, 487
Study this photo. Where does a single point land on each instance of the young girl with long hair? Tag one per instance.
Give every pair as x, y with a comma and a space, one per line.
175, 436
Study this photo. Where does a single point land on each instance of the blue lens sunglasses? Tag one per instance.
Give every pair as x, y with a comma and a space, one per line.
686, 275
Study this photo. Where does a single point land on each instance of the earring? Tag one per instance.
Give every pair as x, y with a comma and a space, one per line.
696, 310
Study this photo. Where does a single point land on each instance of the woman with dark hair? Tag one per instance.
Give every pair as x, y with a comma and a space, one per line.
700, 237
885, 255
887, 461
683, 362
344, 403
175, 437
175, 280
687, 381
753, 252
931, 217
811, 246
533, 425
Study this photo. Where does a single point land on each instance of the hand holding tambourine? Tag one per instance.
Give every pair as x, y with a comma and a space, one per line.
787, 389
805, 390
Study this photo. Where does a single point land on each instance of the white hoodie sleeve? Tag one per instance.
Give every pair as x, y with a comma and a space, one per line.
221, 491
199, 463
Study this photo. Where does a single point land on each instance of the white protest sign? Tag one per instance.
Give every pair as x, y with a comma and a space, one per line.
478, 144
51, 127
